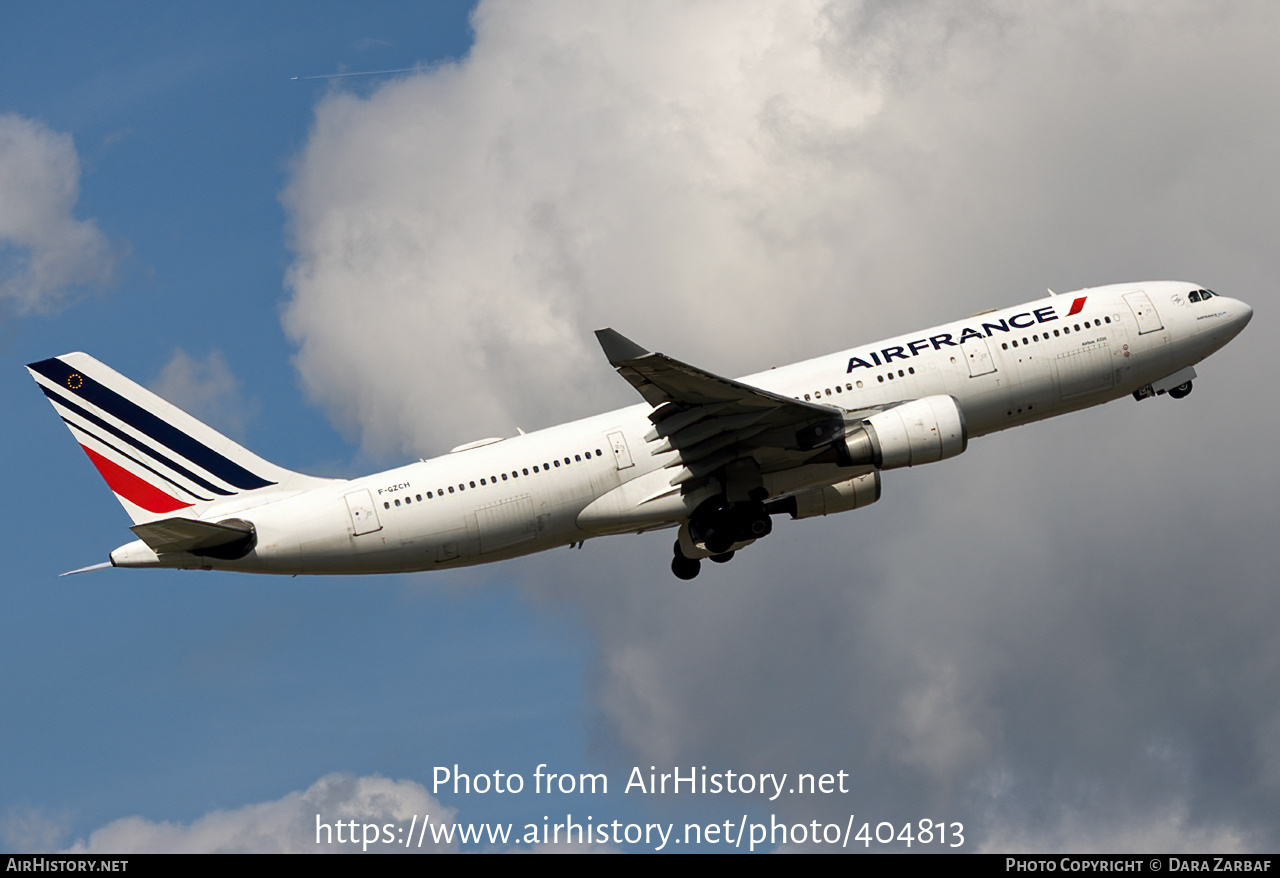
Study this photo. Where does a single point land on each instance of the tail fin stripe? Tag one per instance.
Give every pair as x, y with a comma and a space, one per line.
57, 400
130, 487
145, 422
129, 457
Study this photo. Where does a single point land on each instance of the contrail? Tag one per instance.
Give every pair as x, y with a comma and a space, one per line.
358, 73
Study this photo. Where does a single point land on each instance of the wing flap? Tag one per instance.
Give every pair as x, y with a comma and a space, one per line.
709, 421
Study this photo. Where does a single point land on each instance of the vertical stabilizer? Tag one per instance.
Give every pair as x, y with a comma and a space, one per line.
158, 460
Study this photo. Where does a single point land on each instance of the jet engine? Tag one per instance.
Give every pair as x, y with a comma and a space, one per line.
829, 499
924, 430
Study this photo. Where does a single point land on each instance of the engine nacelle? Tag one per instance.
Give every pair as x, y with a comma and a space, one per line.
924, 430
840, 497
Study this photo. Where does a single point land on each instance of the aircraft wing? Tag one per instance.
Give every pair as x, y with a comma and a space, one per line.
712, 421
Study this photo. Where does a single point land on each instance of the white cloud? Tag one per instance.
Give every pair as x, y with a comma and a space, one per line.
205, 389
465, 230
287, 825
46, 254
300, 823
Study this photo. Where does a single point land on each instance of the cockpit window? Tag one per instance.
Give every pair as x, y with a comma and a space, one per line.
1195, 296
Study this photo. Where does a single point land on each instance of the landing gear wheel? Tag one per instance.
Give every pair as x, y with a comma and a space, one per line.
718, 542
724, 558
719, 532
685, 568
1181, 390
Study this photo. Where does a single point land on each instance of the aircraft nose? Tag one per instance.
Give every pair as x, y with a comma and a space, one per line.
1243, 314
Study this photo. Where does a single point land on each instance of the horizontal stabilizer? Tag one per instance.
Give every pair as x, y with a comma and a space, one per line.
189, 535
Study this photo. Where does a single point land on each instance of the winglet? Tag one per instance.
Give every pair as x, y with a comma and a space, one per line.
618, 348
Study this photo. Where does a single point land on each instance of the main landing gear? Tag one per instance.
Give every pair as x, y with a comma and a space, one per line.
688, 568
1178, 391
718, 529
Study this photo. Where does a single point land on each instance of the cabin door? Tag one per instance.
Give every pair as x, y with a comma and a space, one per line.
364, 516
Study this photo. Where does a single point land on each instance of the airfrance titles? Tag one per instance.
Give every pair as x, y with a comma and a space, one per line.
1021, 320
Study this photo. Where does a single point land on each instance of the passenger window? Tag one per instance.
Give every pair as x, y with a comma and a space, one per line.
473, 484
386, 505
451, 489
397, 502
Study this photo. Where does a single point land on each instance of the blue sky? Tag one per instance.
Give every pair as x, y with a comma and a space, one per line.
1063, 638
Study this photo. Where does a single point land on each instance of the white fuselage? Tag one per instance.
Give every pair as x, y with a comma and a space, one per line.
565, 484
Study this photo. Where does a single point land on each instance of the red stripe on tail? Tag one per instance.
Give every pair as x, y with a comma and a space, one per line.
132, 488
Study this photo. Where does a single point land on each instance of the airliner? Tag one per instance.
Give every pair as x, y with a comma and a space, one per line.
715, 459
